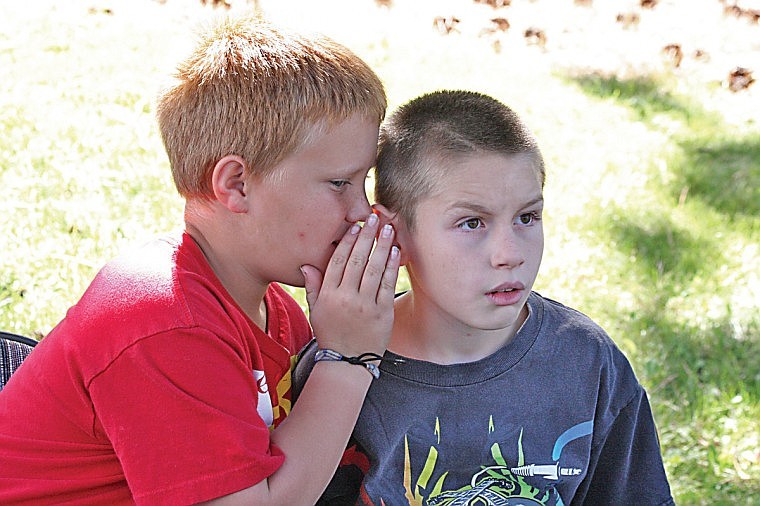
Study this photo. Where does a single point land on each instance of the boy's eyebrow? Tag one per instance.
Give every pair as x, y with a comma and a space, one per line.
353, 172
469, 206
479, 209
537, 200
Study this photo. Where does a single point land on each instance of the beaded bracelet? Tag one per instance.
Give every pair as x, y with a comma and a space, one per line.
365, 360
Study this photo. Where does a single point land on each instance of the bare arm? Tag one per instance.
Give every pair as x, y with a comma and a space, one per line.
352, 313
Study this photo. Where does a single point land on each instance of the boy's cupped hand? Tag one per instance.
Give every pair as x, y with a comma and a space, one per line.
351, 306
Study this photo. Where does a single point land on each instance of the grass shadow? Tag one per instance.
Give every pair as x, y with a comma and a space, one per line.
723, 174
712, 360
663, 254
720, 171
705, 381
643, 95
703, 376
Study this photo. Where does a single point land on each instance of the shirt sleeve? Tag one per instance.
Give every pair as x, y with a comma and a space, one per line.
626, 465
180, 409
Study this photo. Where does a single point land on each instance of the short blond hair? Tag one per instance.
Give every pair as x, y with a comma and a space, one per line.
255, 90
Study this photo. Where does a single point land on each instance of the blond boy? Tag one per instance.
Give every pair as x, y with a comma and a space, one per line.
169, 381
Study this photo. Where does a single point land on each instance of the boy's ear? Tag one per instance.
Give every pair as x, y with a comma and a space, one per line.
228, 182
402, 239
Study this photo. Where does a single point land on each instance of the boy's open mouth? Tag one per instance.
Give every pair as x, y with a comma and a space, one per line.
508, 287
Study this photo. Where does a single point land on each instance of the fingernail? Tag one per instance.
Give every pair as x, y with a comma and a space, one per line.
386, 232
372, 219
355, 229
394, 252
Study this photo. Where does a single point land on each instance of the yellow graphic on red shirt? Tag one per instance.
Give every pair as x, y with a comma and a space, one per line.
284, 403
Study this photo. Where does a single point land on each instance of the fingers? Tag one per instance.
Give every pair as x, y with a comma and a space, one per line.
312, 283
349, 260
352, 307
380, 267
355, 269
336, 266
363, 262
387, 291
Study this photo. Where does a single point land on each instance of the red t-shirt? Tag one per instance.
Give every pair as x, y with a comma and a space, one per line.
156, 388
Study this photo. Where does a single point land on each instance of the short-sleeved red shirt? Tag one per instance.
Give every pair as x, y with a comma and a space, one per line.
156, 388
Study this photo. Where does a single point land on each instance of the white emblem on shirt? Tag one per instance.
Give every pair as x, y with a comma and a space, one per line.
264, 406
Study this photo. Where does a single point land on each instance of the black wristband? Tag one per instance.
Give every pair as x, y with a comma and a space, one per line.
365, 359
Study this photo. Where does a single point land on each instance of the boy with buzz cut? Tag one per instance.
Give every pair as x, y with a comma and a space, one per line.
169, 381
489, 393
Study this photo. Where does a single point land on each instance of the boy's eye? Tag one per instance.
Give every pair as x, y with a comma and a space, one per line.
339, 183
471, 224
528, 218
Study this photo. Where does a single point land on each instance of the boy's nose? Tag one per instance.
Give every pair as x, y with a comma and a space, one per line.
506, 251
359, 208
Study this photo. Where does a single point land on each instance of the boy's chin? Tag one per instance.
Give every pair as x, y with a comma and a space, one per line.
296, 280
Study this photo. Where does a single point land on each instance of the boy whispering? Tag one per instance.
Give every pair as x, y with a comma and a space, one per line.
169, 381
489, 393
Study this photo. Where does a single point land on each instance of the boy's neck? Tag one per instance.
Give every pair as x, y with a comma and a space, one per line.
419, 332
248, 293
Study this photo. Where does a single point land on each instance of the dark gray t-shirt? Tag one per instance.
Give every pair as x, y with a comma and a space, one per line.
555, 417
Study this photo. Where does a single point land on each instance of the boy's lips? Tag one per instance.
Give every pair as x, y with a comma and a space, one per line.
509, 286
506, 294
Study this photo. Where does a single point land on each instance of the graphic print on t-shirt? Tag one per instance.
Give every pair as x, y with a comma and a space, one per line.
524, 482
273, 414
264, 406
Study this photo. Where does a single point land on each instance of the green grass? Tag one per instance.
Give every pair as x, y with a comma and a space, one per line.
651, 220
685, 249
